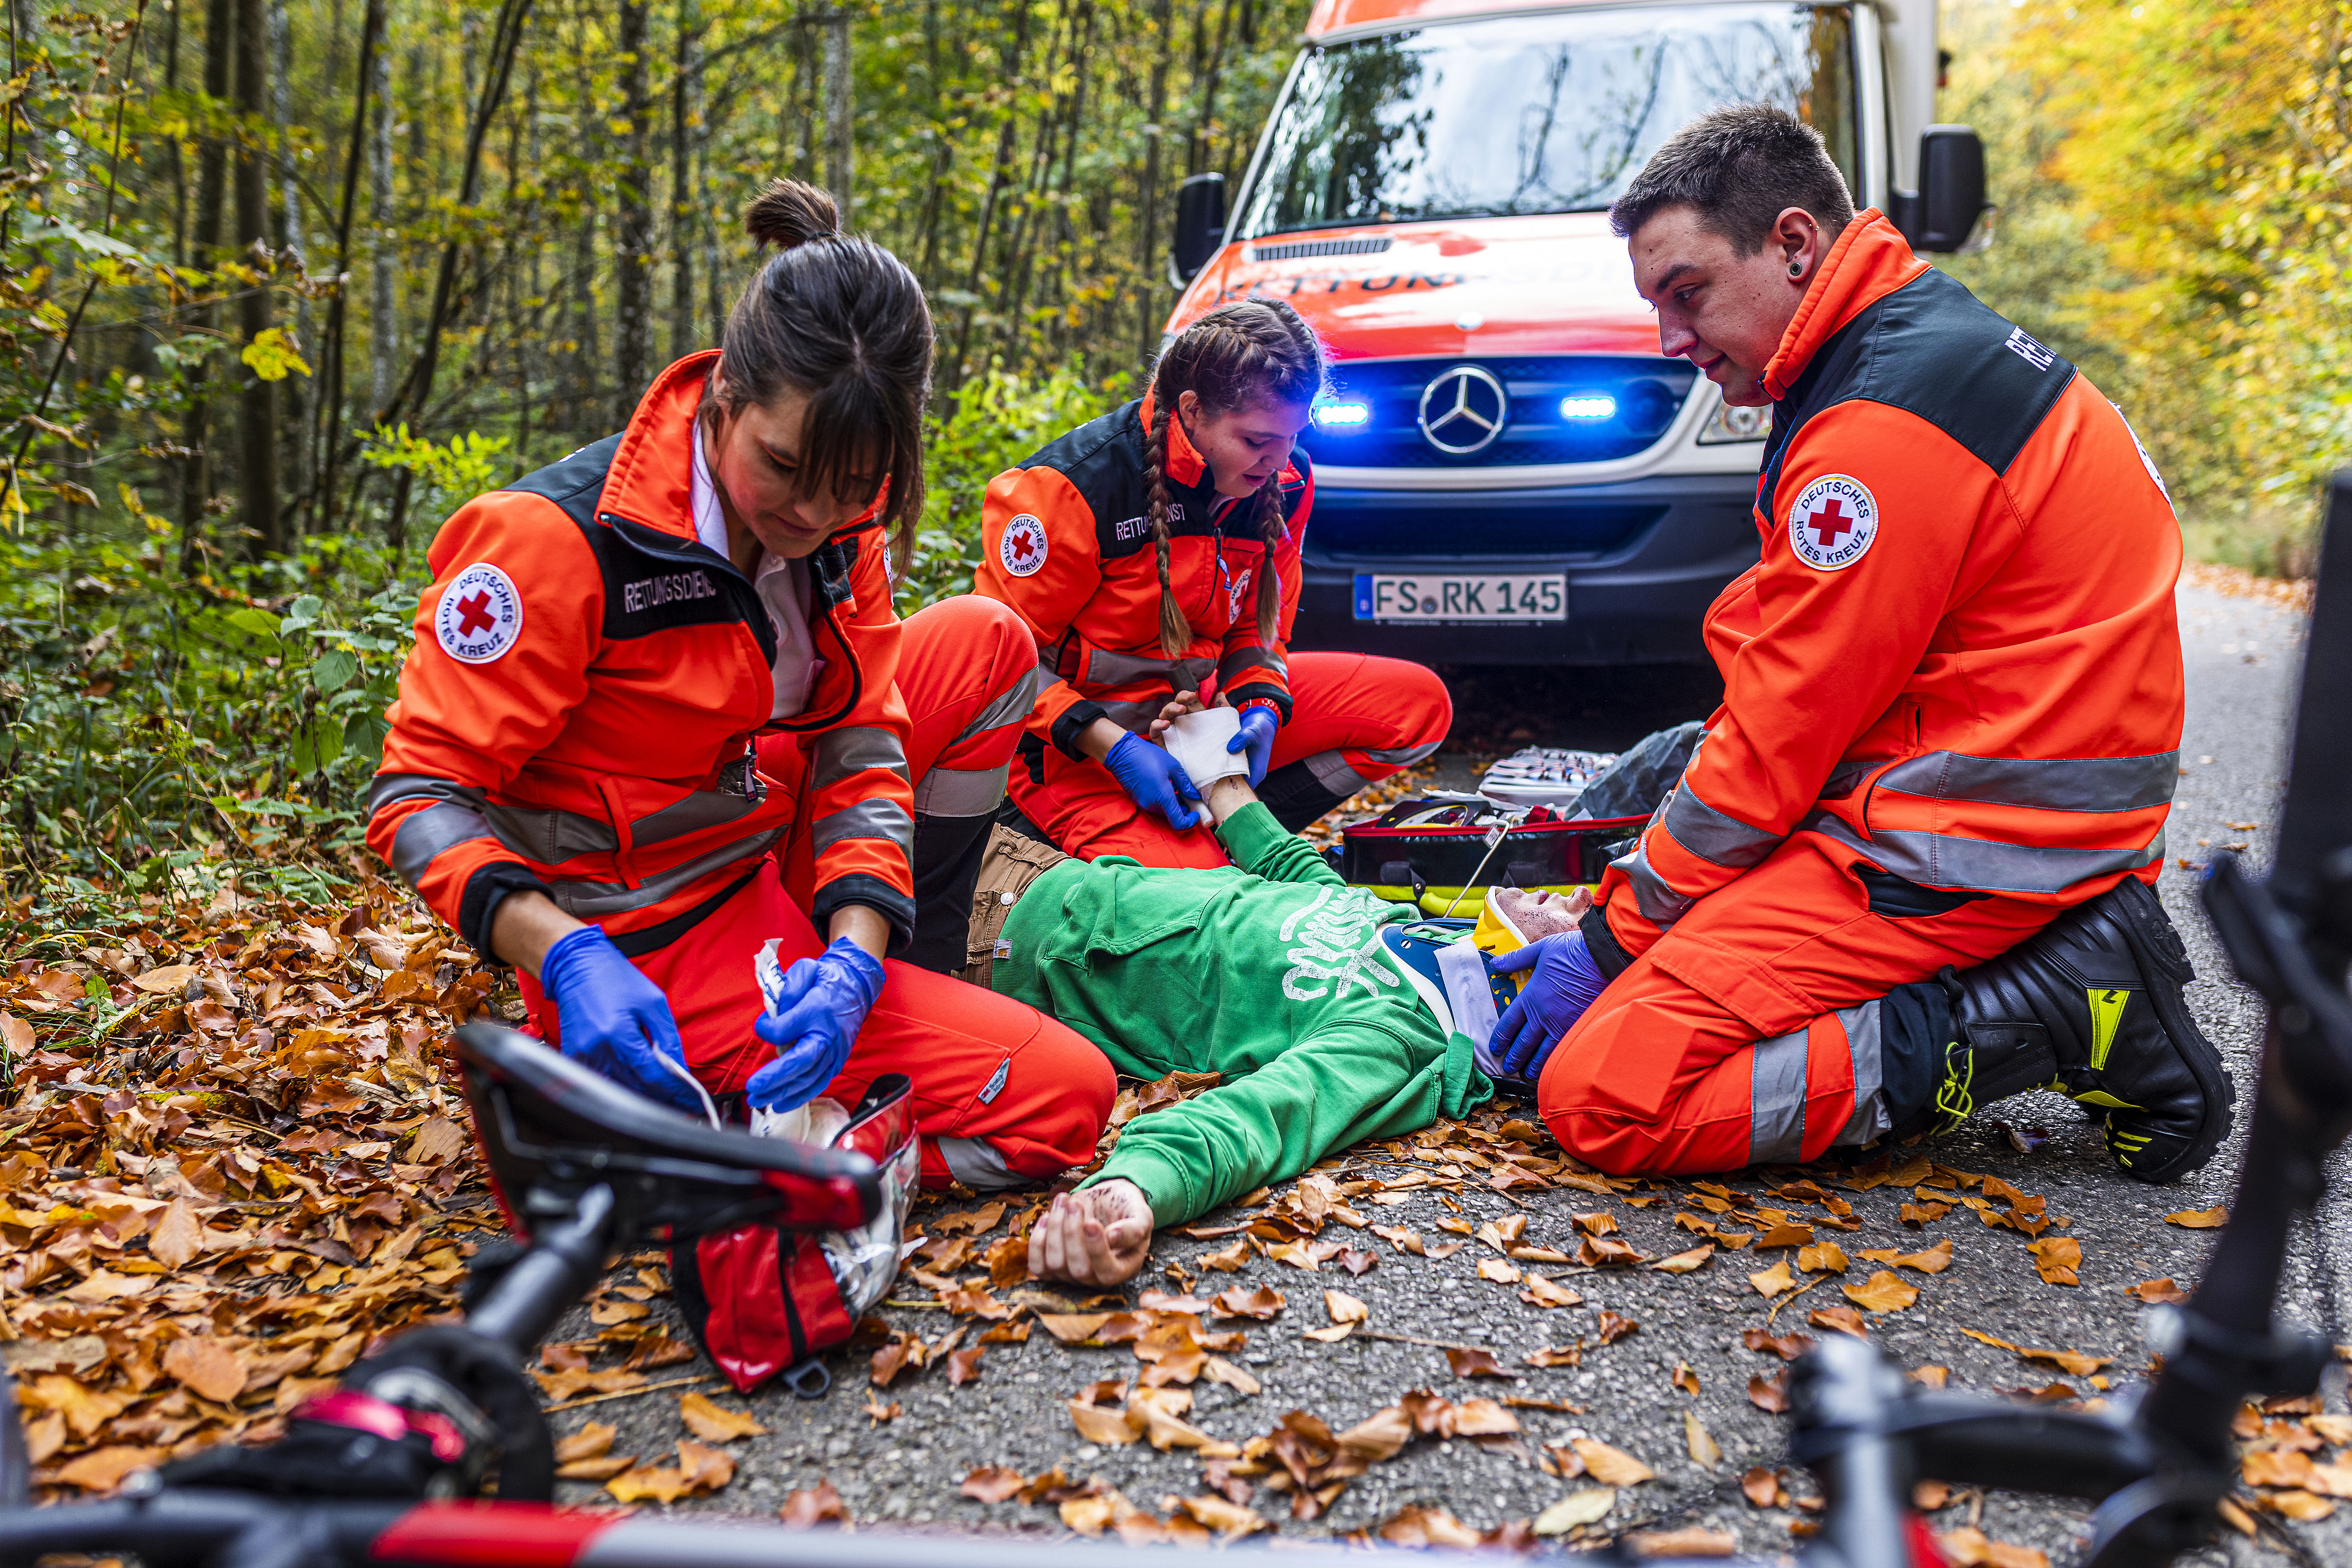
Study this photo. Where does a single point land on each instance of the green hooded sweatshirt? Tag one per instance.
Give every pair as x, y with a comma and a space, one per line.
1272, 975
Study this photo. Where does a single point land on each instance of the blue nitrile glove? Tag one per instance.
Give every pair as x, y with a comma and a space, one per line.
614, 1020
1259, 725
825, 1001
1555, 996
1155, 779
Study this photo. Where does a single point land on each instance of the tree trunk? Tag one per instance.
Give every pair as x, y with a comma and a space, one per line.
634, 239
179, 162
1148, 204
529, 314
212, 182
295, 413
384, 262
837, 112
685, 90
419, 393
327, 438
258, 404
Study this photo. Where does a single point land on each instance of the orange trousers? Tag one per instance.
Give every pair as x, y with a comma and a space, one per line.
1355, 719
1001, 1091
1750, 1031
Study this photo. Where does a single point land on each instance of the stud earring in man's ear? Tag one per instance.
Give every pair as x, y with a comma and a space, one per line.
1796, 269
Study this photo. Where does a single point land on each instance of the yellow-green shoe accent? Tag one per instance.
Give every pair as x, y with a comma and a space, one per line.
2107, 1005
1953, 1102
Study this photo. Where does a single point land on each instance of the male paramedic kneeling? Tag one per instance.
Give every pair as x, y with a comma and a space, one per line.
660, 711
1155, 550
1908, 869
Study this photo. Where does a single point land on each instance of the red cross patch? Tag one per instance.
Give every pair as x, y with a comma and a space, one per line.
1832, 523
479, 616
1023, 548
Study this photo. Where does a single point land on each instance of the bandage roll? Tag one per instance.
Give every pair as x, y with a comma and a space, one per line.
1198, 741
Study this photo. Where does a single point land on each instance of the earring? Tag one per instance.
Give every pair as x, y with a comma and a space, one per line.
1796, 269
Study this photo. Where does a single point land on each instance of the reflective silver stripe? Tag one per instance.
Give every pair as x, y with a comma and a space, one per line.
2054, 784
960, 792
691, 814
1712, 836
976, 1162
1984, 865
1331, 771
1862, 1042
1104, 668
588, 900
1776, 1116
388, 788
852, 749
1242, 659
550, 837
1660, 904
1402, 756
866, 819
425, 834
1012, 706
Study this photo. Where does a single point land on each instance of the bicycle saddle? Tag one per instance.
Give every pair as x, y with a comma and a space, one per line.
552, 1128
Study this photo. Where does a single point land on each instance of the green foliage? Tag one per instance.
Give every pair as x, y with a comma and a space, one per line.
998, 419
163, 733
454, 472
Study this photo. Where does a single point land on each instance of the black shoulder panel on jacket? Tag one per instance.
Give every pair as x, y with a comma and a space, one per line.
1933, 349
575, 482
653, 580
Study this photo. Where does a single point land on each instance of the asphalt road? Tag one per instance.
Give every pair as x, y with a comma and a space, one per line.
2241, 658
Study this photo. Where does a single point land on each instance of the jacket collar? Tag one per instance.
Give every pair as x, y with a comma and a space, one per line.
1870, 260
1185, 466
651, 478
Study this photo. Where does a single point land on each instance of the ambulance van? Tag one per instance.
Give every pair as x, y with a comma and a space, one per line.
1506, 469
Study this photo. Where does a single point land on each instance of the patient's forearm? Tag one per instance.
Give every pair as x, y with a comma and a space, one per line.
1226, 797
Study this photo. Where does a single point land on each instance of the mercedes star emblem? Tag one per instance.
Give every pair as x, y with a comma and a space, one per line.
1462, 411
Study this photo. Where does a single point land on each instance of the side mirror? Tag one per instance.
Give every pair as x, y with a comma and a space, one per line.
1200, 227
1951, 194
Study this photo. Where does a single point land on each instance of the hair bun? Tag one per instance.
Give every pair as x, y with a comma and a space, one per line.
792, 213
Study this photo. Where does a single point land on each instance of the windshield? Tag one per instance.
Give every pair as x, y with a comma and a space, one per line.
1533, 114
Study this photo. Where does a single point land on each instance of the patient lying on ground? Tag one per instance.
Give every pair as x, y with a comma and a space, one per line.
1331, 1015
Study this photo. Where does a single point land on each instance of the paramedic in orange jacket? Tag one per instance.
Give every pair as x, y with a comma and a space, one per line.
660, 711
1155, 550
1909, 868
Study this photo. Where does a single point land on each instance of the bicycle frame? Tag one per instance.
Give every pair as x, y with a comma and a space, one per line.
2155, 1467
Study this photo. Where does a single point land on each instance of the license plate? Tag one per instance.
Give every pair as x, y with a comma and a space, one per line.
1500, 597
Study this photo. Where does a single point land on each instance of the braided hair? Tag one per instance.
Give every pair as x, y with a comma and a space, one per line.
842, 321
1242, 353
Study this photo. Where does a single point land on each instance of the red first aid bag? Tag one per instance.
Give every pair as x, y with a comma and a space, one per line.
766, 1299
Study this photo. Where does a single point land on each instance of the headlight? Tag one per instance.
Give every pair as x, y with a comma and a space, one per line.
1729, 424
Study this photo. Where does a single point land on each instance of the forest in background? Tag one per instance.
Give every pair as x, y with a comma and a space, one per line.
282, 281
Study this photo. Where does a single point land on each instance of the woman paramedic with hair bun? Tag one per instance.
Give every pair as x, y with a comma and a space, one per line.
1155, 550
660, 711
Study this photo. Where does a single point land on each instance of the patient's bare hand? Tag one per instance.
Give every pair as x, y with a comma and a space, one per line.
1175, 708
1098, 1236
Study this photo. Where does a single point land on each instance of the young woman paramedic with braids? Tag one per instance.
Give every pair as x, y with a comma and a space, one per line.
660, 709
1155, 550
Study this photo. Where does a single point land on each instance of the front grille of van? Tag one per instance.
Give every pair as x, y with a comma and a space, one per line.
1382, 398
1294, 251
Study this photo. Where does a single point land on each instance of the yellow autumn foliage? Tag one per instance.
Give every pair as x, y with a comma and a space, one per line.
2176, 181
